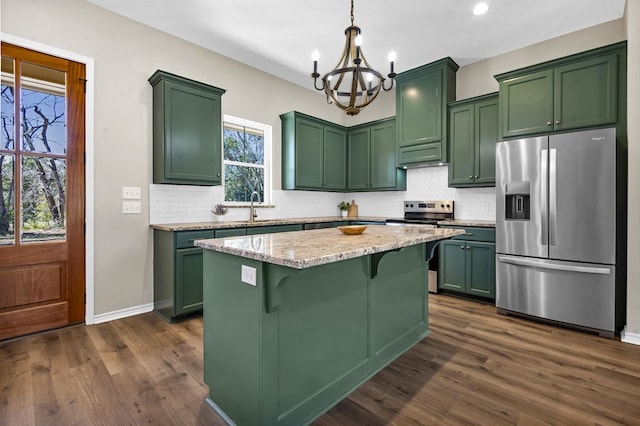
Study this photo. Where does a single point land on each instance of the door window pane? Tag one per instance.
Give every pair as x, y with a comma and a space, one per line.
43, 109
8, 105
7, 157
7, 197
43, 199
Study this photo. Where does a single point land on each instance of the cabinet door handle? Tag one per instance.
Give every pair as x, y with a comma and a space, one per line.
469, 234
462, 247
557, 121
218, 174
470, 177
548, 123
476, 176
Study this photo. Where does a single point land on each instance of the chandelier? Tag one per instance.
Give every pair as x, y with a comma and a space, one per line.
353, 84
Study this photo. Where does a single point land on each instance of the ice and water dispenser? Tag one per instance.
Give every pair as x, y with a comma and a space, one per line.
517, 200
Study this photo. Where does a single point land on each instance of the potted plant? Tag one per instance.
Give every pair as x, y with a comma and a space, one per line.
219, 210
344, 207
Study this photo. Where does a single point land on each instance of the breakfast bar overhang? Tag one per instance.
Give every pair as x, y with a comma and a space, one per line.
294, 322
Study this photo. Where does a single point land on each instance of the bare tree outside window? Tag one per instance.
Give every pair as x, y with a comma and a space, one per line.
42, 152
245, 162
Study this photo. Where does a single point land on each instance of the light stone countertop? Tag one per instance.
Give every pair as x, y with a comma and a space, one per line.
199, 226
468, 222
304, 249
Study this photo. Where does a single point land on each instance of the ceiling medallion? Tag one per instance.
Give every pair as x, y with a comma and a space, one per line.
353, 84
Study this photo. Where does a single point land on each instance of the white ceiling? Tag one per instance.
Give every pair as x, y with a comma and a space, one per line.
279, 36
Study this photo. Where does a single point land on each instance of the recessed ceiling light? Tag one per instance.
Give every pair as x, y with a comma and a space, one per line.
480, 8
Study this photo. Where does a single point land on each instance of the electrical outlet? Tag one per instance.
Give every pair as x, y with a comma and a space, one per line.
131, 193
248, 275
131, 207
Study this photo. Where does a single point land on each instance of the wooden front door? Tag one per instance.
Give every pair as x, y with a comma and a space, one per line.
42, 192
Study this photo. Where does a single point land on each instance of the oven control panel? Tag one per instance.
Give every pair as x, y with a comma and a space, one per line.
441, 206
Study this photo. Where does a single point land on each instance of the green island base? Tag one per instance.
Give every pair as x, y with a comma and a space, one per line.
286, 350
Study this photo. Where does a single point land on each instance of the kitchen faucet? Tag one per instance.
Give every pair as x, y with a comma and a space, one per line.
252, 210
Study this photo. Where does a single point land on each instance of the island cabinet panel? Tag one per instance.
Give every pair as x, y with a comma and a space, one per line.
473, 133
467, 263
422, 95
578, 91
187, 131
286, 350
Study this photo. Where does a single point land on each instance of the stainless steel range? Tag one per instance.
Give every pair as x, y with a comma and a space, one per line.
426, 213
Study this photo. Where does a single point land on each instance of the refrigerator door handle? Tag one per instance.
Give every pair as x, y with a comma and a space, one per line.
553, 213
543, 198
545, 264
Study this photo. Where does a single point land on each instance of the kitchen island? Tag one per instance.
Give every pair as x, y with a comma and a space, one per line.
294, 322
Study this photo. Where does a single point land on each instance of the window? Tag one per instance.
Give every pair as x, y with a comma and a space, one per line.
247, 160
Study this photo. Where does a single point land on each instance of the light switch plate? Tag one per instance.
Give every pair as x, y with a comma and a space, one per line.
248, 275
131, 193
131, 207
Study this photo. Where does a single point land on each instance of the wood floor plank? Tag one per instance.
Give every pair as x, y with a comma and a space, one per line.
475, 367
16, 385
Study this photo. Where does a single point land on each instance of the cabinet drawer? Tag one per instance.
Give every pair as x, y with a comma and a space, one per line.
231, 232
475, 234
185, 239
273, 229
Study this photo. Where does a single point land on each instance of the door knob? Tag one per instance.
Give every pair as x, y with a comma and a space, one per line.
470, 177
557, 121
548, 123
477, 176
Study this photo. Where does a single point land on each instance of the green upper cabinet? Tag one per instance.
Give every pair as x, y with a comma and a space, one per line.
422, 95
187, 131
371, 158
359, 158
577, 91
319, 155
314, 153
473, 133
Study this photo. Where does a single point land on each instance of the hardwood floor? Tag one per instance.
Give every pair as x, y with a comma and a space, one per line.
476, 367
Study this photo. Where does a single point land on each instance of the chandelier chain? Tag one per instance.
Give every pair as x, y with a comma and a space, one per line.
351, 12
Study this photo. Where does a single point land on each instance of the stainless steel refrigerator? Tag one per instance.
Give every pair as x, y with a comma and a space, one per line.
556, 228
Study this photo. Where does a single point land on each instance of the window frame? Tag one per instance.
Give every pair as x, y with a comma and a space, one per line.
267, 136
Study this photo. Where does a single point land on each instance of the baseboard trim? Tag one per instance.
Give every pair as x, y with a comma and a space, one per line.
626, 337
123, 313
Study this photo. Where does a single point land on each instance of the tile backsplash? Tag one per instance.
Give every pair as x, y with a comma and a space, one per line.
181, 203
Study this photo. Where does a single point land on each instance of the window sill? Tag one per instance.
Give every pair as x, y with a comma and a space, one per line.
247, 205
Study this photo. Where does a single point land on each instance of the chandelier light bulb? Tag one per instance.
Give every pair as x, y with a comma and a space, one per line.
358, 40
369, 77
392, 56
315, 55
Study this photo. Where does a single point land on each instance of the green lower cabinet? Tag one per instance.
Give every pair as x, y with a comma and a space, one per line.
177, 273
188, 280
467, 266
